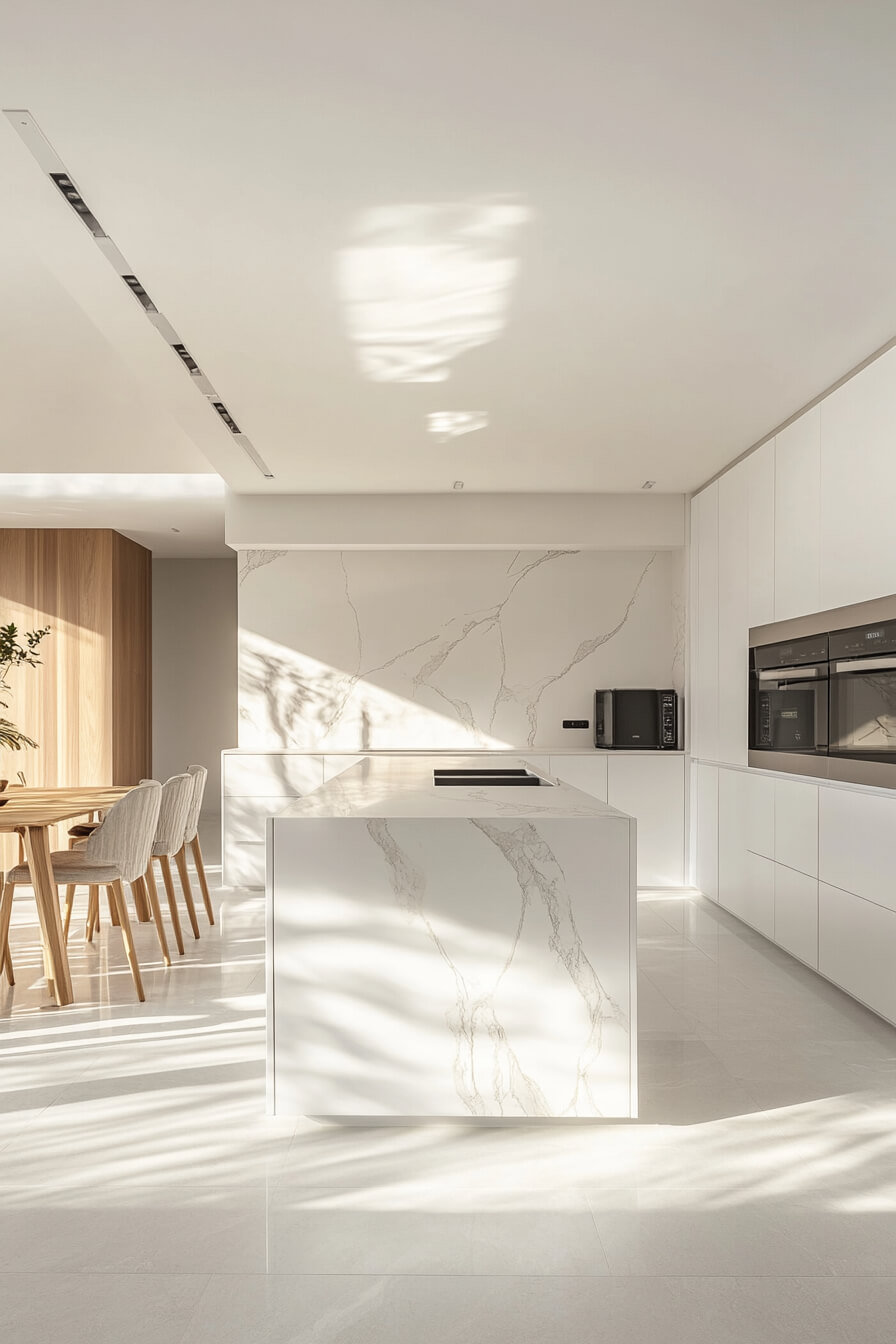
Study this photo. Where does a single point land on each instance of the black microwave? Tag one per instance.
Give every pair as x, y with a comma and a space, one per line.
636, 720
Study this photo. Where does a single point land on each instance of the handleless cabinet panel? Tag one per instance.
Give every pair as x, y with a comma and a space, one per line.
650, 788
796, 825
858, 486
856, 843
334, 765
759, 816
243, 850
756, 899
857, 948
761, 490
706, 800
797, 484
796, 914
704, 701
734, 614
588, 773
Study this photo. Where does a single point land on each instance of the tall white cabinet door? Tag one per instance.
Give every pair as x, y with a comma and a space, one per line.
797, 532
732, 807
733, 614
704, 700
858, 486
761, 548
588, 773
706, 797
650, 788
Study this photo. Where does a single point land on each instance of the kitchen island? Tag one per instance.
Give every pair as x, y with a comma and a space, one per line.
441, 943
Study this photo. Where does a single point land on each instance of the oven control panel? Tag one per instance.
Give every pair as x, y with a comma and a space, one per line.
864, 640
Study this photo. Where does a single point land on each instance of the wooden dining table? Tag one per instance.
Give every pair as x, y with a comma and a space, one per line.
30, 812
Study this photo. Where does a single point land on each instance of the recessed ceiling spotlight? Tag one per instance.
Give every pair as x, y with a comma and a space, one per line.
50, 163
78, 204
648, 485
445, 425
139, 293
458, 485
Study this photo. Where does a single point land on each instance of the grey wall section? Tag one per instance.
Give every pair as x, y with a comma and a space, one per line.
194, 674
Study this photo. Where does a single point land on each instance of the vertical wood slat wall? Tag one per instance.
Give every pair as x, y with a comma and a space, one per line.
89, 705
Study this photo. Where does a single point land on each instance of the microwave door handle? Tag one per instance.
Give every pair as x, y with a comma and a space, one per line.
866, 665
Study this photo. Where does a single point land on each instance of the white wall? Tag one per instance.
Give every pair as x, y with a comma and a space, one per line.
400, 648
802, 525
194, 670
455, 520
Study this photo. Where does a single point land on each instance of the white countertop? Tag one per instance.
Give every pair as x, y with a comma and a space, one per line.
503, 752
402, 786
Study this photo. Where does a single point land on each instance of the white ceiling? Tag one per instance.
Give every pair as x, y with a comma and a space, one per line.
707, 200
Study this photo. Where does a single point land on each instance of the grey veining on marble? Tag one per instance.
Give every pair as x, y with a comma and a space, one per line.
402, 786
429, 963
358, 650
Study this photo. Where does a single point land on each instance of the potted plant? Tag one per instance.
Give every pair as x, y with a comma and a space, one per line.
13, 653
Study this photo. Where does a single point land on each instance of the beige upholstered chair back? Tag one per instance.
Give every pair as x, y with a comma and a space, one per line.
176, 794
199, 776
126, 836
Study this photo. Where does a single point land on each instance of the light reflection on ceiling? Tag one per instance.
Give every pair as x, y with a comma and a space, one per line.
446, 425
421, 284
117, 485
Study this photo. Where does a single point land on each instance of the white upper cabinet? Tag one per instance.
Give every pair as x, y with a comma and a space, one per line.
858, 486
760, 468
797, 484
704, 698
733, 614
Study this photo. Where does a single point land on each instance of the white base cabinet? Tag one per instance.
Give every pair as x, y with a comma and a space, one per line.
857, 948
809, 866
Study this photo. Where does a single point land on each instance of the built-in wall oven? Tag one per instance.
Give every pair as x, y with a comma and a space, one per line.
789, 697
863, 693
823, 694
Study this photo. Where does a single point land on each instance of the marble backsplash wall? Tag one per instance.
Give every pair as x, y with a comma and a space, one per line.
355, 650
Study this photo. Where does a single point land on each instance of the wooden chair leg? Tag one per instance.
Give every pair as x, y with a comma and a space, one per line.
69, 903
116, 899
8, 891
181, 861
151, 897
200, 873
141, 903
93, 912
172, 903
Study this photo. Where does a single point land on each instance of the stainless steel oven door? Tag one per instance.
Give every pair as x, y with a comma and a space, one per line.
863, 709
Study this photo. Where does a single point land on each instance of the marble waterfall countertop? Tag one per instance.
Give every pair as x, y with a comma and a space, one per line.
402, 786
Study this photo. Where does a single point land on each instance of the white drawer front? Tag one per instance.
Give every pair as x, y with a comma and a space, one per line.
856, 843
796, 914
588, 773
857, 948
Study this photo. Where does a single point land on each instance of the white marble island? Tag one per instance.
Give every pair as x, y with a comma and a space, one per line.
451, 950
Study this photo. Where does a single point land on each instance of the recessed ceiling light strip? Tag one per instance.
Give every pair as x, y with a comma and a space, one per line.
40, 148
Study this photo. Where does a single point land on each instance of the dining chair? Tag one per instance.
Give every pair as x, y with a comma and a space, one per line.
177, 794
191, 837
117, 851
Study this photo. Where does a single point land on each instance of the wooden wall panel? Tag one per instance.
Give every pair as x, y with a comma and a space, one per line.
89, 705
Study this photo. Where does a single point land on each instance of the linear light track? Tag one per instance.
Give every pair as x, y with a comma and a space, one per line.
28, 131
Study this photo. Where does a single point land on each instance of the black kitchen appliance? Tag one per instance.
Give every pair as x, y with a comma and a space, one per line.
789, 697
863, 692
636, 720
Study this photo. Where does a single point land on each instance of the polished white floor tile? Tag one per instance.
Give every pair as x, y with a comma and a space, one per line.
145, 1195
282, 1309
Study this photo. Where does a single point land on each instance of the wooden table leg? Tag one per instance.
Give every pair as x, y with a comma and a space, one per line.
37, 852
